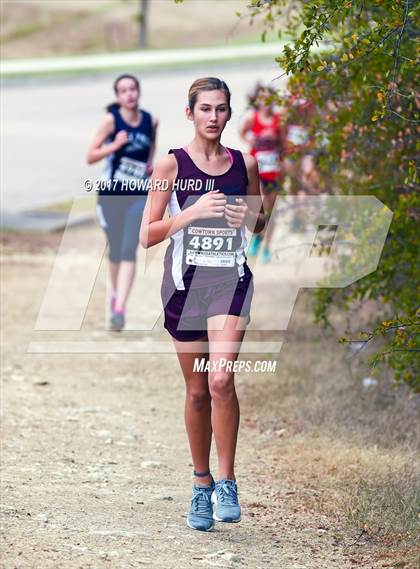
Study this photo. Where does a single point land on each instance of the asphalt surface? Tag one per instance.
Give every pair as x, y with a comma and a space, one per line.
49, 122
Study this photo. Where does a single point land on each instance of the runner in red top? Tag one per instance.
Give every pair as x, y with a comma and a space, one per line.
301, 153
266, 148
263, 130
300, 148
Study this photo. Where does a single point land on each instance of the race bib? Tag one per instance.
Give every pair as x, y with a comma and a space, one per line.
297, 135
130, 169
210, 246
268, 161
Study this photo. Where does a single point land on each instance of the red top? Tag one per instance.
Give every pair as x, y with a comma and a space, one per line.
266, 148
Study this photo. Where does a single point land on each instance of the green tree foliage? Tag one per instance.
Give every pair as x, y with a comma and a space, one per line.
356, 60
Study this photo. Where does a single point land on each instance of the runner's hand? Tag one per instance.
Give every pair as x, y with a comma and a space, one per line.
235, 214
211, 204
121, 139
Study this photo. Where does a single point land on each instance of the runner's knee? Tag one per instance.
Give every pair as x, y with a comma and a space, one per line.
221, 385
199, 399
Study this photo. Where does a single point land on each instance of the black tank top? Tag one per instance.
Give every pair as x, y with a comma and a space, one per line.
128, 164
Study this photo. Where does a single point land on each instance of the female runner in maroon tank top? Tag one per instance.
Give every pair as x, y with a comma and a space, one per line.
207, 286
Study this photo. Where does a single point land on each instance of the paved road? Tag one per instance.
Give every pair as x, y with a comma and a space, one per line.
144, 59
48, 124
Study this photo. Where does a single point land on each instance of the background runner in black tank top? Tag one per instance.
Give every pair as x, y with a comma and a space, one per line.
126, 139
129, 162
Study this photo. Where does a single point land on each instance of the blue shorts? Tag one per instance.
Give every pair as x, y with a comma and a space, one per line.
120, 217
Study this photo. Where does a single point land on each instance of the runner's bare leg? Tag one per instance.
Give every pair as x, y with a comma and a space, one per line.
225, 406
197, 410
125, 282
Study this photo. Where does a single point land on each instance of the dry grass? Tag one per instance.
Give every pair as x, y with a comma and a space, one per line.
43, 28
359, 445
375, 494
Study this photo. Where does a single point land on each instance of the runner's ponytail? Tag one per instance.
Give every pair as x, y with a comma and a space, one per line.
112, 107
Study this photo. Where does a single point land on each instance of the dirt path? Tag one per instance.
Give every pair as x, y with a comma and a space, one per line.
96, 468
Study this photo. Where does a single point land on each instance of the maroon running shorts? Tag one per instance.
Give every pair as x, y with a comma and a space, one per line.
186, 311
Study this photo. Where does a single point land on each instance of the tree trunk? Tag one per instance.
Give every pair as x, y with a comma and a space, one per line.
144, 6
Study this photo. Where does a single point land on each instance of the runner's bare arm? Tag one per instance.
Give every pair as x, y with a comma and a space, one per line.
97, 150
255, 217
246, 128
154, 229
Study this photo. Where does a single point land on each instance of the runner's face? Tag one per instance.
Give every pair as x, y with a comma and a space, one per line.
128, 94
262, 97
211, 113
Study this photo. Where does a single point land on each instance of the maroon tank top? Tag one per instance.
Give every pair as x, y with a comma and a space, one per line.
207, 251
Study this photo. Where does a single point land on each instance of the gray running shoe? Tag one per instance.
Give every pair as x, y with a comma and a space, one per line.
225, 500
200, 516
